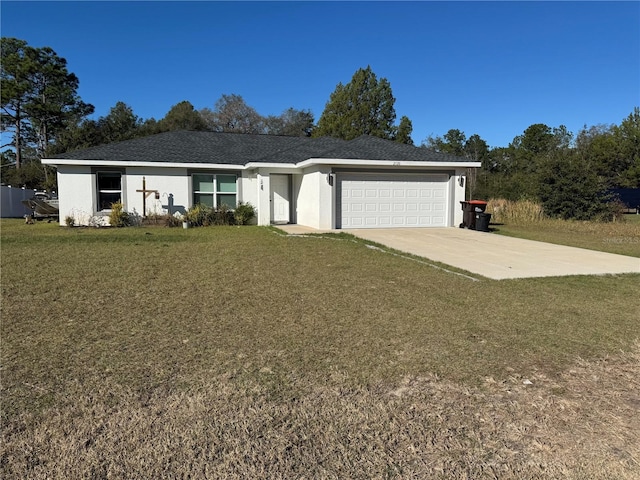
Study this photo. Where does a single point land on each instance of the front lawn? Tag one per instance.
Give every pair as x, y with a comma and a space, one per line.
622, 237
237, 352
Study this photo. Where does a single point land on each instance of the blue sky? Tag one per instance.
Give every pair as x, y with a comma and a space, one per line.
491, 68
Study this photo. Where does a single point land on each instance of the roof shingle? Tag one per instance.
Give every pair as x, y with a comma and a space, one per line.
240, 149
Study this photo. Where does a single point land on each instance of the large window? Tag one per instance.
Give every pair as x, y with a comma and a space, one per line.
109, 189
215, 190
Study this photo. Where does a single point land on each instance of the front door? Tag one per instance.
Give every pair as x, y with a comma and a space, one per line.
280, 199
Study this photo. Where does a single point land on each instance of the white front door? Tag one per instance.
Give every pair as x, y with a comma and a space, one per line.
280, 198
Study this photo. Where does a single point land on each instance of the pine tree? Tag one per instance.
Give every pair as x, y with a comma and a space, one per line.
364, 106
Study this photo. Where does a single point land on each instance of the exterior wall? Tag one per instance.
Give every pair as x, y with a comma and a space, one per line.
172, 184
313, 193
76, 193
315, 199
257, 191
458, 195
263, 204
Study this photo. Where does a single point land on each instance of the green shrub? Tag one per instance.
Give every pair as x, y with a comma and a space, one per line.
69, 221
244, 213
198, 215
118, 217
222, 215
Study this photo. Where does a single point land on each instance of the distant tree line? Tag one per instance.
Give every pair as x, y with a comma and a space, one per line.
570, 174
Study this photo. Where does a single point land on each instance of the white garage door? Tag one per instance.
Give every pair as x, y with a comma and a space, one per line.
392, 200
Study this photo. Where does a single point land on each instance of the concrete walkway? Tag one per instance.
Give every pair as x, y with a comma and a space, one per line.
490, 255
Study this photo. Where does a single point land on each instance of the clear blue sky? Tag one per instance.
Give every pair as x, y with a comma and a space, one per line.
491, 68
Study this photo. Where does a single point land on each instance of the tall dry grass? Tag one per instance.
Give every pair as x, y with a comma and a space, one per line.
520, 212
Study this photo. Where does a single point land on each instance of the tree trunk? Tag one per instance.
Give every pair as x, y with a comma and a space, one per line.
18, 139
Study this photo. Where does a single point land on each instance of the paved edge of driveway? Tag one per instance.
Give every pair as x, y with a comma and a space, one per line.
490, 255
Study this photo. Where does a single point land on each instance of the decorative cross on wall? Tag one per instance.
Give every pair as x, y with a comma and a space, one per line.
145, 194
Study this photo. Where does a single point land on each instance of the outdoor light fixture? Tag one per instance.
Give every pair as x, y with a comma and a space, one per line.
329, 179
461, 181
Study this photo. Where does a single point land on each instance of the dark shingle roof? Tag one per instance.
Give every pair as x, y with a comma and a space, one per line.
240, 149
366, 147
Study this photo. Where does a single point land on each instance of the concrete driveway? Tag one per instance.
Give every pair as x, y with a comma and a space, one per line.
494, 256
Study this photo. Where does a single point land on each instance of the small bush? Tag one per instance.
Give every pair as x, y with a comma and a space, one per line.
222, 215
244, 213
203, 216
172, 221
612, 211
69, 221
199, 215
118, 217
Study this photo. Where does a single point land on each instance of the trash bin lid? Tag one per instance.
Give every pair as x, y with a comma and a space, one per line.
477, 202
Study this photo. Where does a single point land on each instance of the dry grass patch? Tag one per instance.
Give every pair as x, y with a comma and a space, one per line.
526, 219
419, 427
622, 237
515, 212
235, 352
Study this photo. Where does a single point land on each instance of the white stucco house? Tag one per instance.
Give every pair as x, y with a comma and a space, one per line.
323, 183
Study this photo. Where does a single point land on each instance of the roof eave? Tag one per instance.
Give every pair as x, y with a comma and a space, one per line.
386, 163
135, 163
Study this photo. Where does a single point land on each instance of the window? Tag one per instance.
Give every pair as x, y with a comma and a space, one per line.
215, 190
109, 189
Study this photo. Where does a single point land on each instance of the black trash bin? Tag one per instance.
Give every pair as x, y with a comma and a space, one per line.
482, 222
470, 210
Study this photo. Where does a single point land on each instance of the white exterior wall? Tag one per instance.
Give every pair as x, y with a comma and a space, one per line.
313, 196
76, 193
172, 184
458, 195
263, 197
315, 199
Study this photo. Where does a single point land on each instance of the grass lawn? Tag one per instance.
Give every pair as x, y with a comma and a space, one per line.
237, 352
616, 237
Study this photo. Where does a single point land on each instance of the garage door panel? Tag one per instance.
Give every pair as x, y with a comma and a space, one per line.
392, 200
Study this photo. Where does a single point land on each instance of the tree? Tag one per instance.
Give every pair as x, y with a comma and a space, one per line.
567, 190
84, 134
365, 105
39, 96
476, 149
627, 136
120, 124
452, 143
292, 123
182, 116
15, 89
55, 103
403, 134
232, 114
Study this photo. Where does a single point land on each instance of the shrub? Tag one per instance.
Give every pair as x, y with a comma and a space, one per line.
118, 217
244, 213
198, 215
569, 190
222, 215
69, 221
172, 221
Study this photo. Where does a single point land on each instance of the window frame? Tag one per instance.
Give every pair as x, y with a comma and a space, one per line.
217, 192
110, 171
